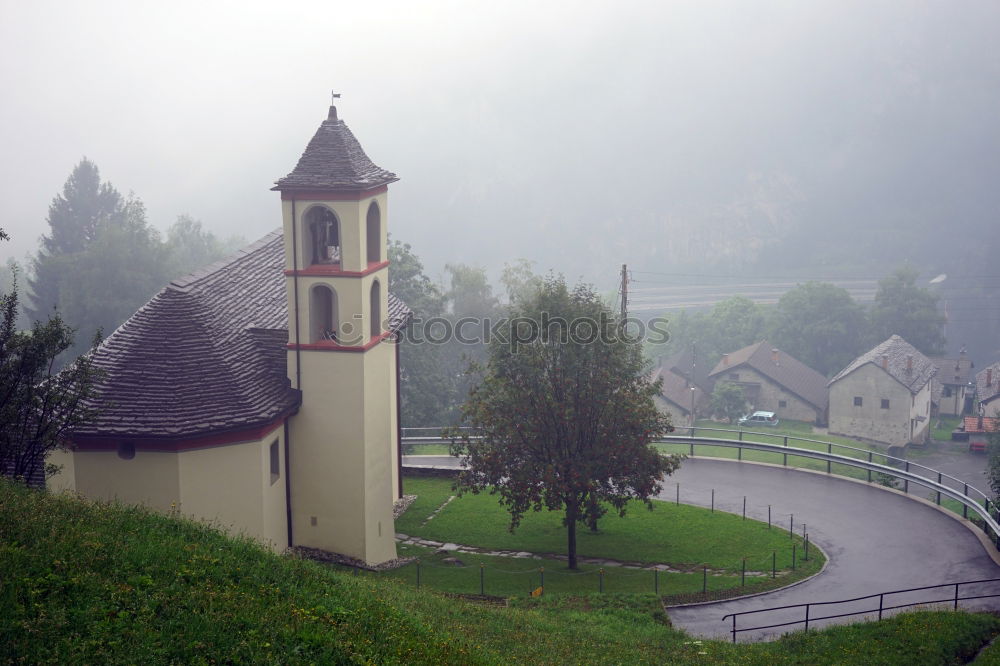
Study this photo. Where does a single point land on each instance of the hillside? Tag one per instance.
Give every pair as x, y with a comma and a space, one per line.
98, 583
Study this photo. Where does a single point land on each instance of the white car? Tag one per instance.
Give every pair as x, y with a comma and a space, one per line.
759, 418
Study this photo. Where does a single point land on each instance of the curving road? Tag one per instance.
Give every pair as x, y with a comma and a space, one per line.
876, 540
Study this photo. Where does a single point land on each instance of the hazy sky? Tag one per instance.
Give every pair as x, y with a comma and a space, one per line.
578, 134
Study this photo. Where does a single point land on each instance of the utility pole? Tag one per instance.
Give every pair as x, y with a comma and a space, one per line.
624, 293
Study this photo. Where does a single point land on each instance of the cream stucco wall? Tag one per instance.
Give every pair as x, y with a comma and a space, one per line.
231, 486
678, 417
150, 478
870, 421
341, 447
65, 479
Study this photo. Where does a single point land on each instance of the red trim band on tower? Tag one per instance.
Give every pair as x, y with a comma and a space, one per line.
333, 270
330, 345
332, 195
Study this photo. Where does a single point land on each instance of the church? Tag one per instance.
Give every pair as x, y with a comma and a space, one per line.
261, 393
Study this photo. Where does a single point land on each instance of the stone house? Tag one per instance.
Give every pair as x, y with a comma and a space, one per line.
262, 392
774, 381
988, 389
884, 395
952, 390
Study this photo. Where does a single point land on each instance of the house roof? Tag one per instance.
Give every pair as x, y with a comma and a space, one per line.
989, 424
677, 389
788, 372
334, 160
953, 371
684, 364
896, 351
206, 354
988, 392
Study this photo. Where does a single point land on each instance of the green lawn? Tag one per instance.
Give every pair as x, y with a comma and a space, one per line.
943, 426
684, 537
681, 535
97, 583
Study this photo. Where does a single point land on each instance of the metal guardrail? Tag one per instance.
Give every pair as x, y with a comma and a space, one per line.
952, 599
941, 484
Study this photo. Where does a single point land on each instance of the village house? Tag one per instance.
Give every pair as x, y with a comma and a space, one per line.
978, 430
262, 392
776, 382
884, 395
952, 391
681, 396
988, 390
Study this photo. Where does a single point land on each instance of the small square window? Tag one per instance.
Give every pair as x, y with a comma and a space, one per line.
885, 403
947, 391
275, 462
782, 404
857, 401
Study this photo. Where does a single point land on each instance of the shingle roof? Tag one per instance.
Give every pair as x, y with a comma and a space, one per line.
677, 389
206, 354
684, 362
789, 372
953, 371
334, 160
988, 392
896, 350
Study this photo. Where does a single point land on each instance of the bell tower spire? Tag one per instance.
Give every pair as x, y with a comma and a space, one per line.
343, 441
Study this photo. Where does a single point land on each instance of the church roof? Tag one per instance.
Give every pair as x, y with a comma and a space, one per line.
207, 354
334, 160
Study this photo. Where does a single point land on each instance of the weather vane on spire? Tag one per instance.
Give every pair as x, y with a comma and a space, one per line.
334, 97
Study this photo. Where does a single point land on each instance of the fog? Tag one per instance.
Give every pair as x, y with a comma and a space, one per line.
778, 138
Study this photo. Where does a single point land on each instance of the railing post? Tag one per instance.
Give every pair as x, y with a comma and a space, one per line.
418, 574
880, 606
939, 492
744, 507
791, 525
734, 627
785, 463
906, 482
793, 557
740, 437
956, 596
692, 445
965, 507
601, 578
739, 453
678, 492
769, 517
656, 581
807, 617
482, 589
743, 574
829, 450
869, 471
713, 500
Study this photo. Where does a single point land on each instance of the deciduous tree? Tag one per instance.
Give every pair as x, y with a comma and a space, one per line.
37, 405
728, 401
905, 309
564, 413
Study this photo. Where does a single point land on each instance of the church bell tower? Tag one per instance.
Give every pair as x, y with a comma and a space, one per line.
343, 441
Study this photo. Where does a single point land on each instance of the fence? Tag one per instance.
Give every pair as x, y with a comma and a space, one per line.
940, 484
952, 598
676, 585
985, 512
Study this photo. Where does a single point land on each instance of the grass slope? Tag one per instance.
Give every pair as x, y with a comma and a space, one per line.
97, 583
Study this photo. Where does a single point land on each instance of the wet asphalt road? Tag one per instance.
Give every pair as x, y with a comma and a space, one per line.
875, 540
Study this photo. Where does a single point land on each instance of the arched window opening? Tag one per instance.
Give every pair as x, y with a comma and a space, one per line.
323, 314
376, 309
323, 236
374, 234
